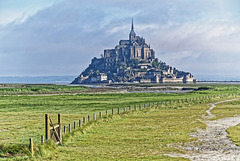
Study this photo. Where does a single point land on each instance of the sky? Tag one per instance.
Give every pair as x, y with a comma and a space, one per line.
60, 37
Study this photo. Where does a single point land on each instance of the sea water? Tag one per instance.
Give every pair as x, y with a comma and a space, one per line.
36, 79
69, 79
218, 77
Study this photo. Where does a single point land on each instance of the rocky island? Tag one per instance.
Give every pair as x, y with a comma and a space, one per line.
132, 60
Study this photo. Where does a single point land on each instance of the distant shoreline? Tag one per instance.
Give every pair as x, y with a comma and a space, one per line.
219, 82
65, 80
216, 81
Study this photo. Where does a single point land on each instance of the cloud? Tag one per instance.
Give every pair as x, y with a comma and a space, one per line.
62, 38
212, 35
18, 11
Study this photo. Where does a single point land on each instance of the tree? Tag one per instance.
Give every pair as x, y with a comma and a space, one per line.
155, 63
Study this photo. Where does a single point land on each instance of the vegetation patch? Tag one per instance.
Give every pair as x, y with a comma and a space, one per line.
227, 109
234, 134
9, 151
38, 88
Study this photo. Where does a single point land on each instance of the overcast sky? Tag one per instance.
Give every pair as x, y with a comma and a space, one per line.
60, 37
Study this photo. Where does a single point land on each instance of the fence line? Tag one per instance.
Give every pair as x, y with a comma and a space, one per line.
132, 108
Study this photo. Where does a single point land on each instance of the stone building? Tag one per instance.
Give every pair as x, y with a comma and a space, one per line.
134, 48
131, 60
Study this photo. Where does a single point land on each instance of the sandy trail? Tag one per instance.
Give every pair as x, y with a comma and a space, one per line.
213, 143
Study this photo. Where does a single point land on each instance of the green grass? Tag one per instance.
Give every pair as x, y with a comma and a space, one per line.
234, 134
227, 109
37, 88
22, 117
141, 135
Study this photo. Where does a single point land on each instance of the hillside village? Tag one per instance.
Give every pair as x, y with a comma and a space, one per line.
131, 61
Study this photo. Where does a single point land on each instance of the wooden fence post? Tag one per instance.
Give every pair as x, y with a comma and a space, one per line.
64, 129
124, 109
88, 118
84, 121
118, 110
74, 125
42, 140
60, 127
31, 146
100, 114
69, 128
94, 116
106, 113
112, 111
129, 108
47, 131
79, 123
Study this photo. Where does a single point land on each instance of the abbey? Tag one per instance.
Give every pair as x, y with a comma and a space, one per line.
134, 48
131, 60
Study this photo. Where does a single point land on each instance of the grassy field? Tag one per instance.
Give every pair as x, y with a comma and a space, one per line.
6, 89
22, 117
141, 135
26, 113
227, 109
234, 134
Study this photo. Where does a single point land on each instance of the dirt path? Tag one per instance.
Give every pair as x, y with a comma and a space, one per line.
213, 143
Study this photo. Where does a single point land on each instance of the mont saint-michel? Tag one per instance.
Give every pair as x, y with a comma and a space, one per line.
132, 60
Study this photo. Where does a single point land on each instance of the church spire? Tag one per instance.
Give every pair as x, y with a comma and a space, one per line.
132, 34
132, 29
132, 24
